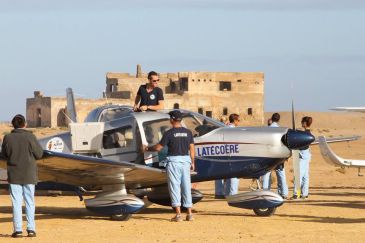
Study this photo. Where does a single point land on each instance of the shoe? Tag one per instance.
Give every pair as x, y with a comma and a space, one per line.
17, 234
294, 197
219, 197
303, 197
177, 218
189, 217
31, 233
284, 197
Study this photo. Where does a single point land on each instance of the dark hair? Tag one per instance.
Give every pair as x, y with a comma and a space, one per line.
233, 117
269, 121
152, 73
307, 120
275, 117
18, 121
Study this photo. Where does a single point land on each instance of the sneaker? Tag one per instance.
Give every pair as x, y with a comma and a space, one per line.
31, 233
303, 197
17, 234
177, 218
294, 197
189, 217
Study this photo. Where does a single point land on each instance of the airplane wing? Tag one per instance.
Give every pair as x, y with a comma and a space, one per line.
338, 139
354, 109
330, 157
81, 170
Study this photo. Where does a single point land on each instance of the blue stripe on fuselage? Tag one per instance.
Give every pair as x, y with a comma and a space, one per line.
220, 167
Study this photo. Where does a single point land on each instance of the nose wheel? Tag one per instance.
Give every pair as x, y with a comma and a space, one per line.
264, 212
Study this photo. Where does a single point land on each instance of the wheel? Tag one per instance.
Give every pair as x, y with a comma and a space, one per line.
120, 217
264, 212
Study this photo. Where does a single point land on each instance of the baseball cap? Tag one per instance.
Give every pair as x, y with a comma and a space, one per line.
175, 115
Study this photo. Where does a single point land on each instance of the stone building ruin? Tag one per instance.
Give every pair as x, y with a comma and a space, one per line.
214, 94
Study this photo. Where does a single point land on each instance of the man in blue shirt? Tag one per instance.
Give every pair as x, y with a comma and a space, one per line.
180, 157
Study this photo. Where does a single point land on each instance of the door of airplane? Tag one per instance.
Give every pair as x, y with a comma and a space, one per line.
120, 143
151, 134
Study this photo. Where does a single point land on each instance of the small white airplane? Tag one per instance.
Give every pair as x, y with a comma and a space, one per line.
333, 159
354, 109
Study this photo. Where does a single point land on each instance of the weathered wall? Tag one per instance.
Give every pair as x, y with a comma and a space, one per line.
53, 110
189, 90
203, 91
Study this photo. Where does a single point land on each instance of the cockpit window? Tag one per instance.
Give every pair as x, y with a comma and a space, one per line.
113, 114
92, 116
118, 138
198, 125
155, 129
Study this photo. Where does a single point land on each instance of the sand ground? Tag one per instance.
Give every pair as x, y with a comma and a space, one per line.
334, 212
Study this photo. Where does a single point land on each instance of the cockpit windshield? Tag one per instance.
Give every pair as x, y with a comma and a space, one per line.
113, 114
155, 129
199, 125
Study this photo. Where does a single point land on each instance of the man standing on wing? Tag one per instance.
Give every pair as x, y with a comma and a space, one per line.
149, 96
180, 157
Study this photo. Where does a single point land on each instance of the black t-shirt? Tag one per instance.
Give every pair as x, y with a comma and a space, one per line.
151, 98
178, 141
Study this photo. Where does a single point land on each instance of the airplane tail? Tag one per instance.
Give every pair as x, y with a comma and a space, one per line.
331, 158
71, 107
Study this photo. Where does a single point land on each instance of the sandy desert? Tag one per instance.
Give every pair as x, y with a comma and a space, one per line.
334, 211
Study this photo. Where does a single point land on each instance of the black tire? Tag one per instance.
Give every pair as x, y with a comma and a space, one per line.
264, 212
120, 217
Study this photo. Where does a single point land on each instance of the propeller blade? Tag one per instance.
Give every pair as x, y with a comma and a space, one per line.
292, 114
296, 168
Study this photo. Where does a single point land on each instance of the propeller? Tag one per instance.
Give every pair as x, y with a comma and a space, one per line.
296, 159
292, 114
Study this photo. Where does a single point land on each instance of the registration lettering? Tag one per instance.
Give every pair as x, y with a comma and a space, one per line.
224, 149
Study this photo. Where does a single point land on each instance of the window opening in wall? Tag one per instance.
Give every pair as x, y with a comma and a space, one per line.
173, 87
225, 86
225, 111
249, 111
208, 114
176, 106
184, 84
39, 117
200, 110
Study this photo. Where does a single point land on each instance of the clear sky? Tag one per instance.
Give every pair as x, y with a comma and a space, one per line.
315, 46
